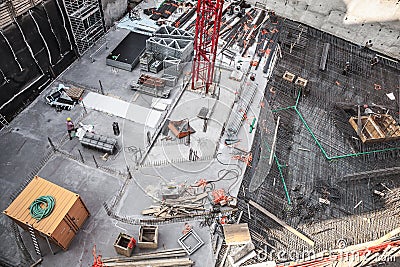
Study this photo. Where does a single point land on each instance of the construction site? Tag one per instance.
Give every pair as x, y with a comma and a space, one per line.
200, 133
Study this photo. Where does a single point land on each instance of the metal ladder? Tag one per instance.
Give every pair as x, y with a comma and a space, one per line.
3, 121
34, 240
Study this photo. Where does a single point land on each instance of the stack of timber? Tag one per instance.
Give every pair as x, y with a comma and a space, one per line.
181, 206
163, 258
151, 81
75, 93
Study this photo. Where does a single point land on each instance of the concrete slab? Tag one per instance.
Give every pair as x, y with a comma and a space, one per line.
131, 140
91, 68
122, 109
374, 11
204, 143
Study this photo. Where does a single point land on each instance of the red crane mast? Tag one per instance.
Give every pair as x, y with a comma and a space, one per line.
208, 22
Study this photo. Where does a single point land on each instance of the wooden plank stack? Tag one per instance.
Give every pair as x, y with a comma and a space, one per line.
182, 206
163, 258
151, 81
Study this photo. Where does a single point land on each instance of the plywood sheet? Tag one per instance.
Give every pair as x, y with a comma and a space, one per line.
236, 234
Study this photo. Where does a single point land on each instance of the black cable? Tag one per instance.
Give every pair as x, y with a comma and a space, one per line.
228, 164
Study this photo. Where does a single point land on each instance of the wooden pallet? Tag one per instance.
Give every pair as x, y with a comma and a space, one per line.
75, 93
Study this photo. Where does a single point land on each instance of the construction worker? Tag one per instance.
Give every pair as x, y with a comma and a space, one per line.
368, 45
70, 128
129, 10
374, 61
346, 68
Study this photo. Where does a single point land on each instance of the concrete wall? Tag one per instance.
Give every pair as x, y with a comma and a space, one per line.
354, 20
113, 10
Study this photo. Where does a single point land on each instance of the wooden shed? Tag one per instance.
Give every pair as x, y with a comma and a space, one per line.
61, 226
180, 128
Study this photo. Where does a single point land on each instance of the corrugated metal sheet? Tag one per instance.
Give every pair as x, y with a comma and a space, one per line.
62, 224
21, 6
5, 16
14, 8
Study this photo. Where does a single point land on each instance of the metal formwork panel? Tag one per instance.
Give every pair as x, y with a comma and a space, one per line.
167, 47
21, 6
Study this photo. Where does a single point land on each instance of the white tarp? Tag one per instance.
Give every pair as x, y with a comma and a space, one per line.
160, 103
123, 109
391, 96
144, 25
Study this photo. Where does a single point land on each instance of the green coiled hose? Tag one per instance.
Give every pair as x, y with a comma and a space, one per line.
42, 207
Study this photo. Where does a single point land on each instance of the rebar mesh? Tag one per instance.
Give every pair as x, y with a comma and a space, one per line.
319, 156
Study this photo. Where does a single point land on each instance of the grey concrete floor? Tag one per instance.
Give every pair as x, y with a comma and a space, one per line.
25, 144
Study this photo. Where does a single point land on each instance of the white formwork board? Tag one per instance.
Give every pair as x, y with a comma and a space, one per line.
123, 109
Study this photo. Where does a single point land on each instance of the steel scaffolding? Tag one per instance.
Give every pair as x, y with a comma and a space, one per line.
86, 22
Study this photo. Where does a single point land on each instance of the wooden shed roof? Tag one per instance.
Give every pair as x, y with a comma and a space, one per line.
19, 208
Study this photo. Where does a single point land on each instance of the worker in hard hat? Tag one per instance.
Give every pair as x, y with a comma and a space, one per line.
70, 128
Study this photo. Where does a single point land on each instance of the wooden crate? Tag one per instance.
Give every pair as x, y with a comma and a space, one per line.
376, 129
67, 217
301, 81
288, 76
180, 128
121, 245
148, 237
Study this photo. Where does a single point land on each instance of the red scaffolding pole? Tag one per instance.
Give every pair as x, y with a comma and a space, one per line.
209, 13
